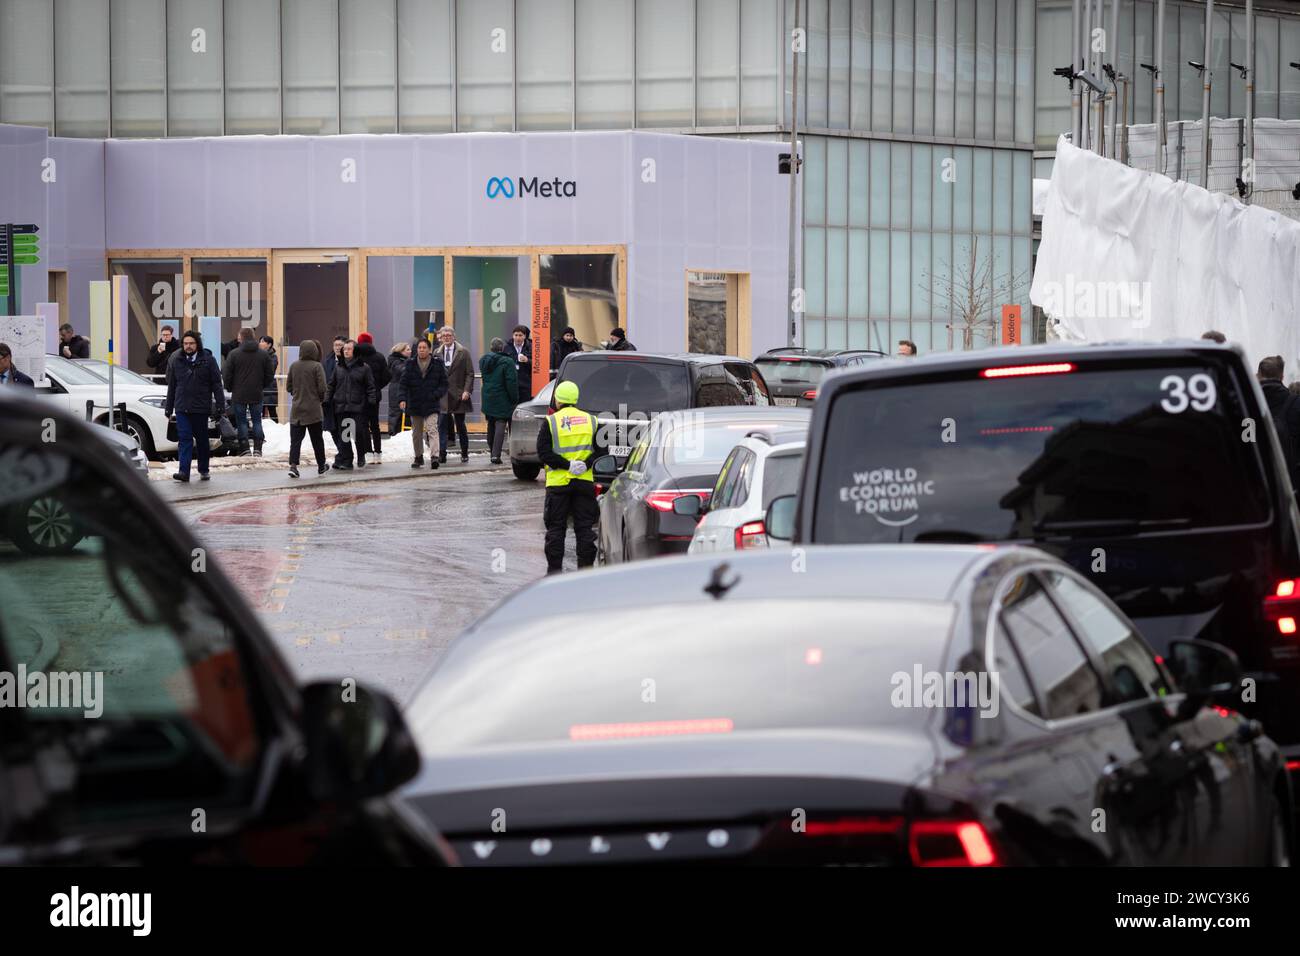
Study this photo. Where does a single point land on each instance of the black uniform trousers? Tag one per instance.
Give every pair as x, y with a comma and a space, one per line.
576, 500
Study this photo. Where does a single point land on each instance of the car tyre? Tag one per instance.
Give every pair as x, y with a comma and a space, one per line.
140, 432
525, 471
43, 526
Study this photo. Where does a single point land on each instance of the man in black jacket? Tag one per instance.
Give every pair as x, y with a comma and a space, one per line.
247, 373
1284, 409
194, 393
567, 344
161, 353
350, 391
420, 392
72, 345
379, 372
618, 341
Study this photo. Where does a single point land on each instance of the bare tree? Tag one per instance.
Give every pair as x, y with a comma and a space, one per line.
970, 290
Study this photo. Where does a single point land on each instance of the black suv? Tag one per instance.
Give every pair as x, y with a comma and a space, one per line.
176, 696
1150, 468
626, 389
794, 373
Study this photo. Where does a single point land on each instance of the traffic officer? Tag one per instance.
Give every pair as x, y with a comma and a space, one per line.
566, 446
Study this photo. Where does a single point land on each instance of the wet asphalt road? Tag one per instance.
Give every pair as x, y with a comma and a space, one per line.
373, 580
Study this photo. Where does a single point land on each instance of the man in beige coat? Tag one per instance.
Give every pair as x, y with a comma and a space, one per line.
460, 385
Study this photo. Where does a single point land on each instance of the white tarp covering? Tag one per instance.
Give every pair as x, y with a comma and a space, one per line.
1128, 254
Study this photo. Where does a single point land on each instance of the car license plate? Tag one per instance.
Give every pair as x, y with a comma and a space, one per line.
620, 451
786, 401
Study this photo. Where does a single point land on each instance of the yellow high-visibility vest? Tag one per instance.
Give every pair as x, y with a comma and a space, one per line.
572, 435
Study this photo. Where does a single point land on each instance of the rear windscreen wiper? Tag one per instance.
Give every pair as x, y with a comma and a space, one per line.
949, 536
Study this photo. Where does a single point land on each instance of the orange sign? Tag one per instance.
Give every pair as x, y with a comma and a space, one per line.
1011, 325
541, 339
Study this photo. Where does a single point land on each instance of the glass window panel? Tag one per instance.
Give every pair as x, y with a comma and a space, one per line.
546, 64
311, 67
816, 63
1001, 191
1289, 92
1024, 82
922, 185
882, 65
943, 167
26, 70
859, 182
1003, 292
920, 278
964, 91
1266, 66
814, 270
964, 169
81, 69
923, 110
879, 184
860, 91
368, 61
921, 336
760, 72
1004, 126
1172, 61
900, 275
1124, 54
1022, 271
859, 264
716, 62
664, 63
1220, 52
837, 277
1237, 52
138, 50
814, 180
1022, 193
252, 51
985, 67
1191, 46
903, 54
838, 111
837, 181
957, 292
484, 64
1051, 94
859, 335
900, 181
194, 68
981, 191
1144, 51
814, 333
424, 65
945, 66
940, 273
604, 60
836, 334
878, 285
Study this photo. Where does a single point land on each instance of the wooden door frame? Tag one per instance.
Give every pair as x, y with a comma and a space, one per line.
738, 306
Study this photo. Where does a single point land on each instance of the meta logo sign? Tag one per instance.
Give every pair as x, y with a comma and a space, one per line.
503, 187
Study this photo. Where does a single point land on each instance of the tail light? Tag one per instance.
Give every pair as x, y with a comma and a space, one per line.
1015, 371
752, 534
1283, 605
950, 843
663, 500
854, 826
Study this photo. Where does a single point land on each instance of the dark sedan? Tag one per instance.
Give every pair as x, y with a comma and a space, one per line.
680, 454
900, 705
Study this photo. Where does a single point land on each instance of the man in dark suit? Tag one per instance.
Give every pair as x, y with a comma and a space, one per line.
520, 351
9, 374
460, 385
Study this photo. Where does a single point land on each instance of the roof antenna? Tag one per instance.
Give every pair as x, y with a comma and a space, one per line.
717, 588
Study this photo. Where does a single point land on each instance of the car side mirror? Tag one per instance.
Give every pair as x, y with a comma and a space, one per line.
779, 518
605, 469
1204, 671
688, 506
358, 745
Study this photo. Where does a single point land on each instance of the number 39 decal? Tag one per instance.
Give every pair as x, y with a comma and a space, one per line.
1198, 391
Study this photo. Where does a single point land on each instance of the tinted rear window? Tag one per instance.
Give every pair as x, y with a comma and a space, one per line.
1101, 452
761, 665
618, 386
709, 443
788, 372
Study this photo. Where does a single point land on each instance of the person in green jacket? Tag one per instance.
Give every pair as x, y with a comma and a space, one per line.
500, 395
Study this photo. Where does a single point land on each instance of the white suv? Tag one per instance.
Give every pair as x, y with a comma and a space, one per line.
765, 465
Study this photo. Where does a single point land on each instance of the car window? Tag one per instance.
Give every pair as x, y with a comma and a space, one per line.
70, 373
714, 387
706, 444
1012, 677
726, 478
749, 383
788, 370
781, 475
616, 387
1107, 451
637, 456
153, 712
1065, 681
1127, 661
739, 490
121, 376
